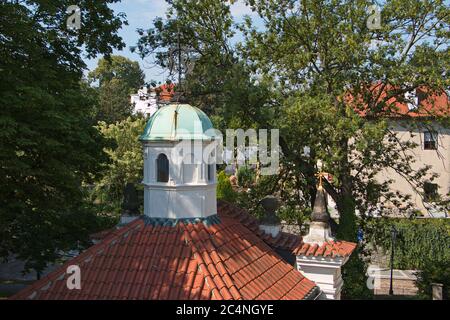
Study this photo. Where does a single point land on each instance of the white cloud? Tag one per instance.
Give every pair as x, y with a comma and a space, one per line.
239, 9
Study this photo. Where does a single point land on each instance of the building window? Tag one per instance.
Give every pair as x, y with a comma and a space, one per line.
430, 140
211, 172
162, 168
430, 191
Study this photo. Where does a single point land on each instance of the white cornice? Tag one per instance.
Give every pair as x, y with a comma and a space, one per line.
166, 186
323, 262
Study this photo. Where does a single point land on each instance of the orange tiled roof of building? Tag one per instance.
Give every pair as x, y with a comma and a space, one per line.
431, 104
288, 241
226, 260
166, 92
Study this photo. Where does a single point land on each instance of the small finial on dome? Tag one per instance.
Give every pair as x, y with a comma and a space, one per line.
319, 228
320, 176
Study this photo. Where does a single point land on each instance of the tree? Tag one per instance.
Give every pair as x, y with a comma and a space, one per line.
322, 52
113, 101
434, 272
224, 188
218, 82
48, 142
117, 78
121, 68
125, 163
312, 70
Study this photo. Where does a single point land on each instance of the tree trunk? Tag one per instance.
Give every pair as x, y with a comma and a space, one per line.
346, 204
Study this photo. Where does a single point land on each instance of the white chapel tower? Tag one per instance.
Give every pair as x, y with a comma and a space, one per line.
179, 164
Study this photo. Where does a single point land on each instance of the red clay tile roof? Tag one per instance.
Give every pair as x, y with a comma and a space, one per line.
287, 241
328, 249
166, 91
189, 261
434, 103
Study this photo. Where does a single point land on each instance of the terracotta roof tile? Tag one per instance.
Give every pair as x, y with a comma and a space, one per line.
436, 102
187, 261
289, 241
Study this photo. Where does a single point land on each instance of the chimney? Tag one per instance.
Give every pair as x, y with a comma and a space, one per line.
270, 223
319, 228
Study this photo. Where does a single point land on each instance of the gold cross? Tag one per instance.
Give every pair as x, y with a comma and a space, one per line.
320, 175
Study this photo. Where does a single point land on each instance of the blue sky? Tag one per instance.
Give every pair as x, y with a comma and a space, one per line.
140, 14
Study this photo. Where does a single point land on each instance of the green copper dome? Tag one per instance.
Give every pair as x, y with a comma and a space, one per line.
178, 122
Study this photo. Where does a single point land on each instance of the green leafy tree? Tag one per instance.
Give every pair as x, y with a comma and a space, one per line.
125, 163
321, 52
434, 272
48, 142
113, 102
218, 81
117, 78
118, 67
310, 70
224, 189
246, 177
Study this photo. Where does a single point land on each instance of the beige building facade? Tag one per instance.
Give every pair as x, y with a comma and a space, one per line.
433, 149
